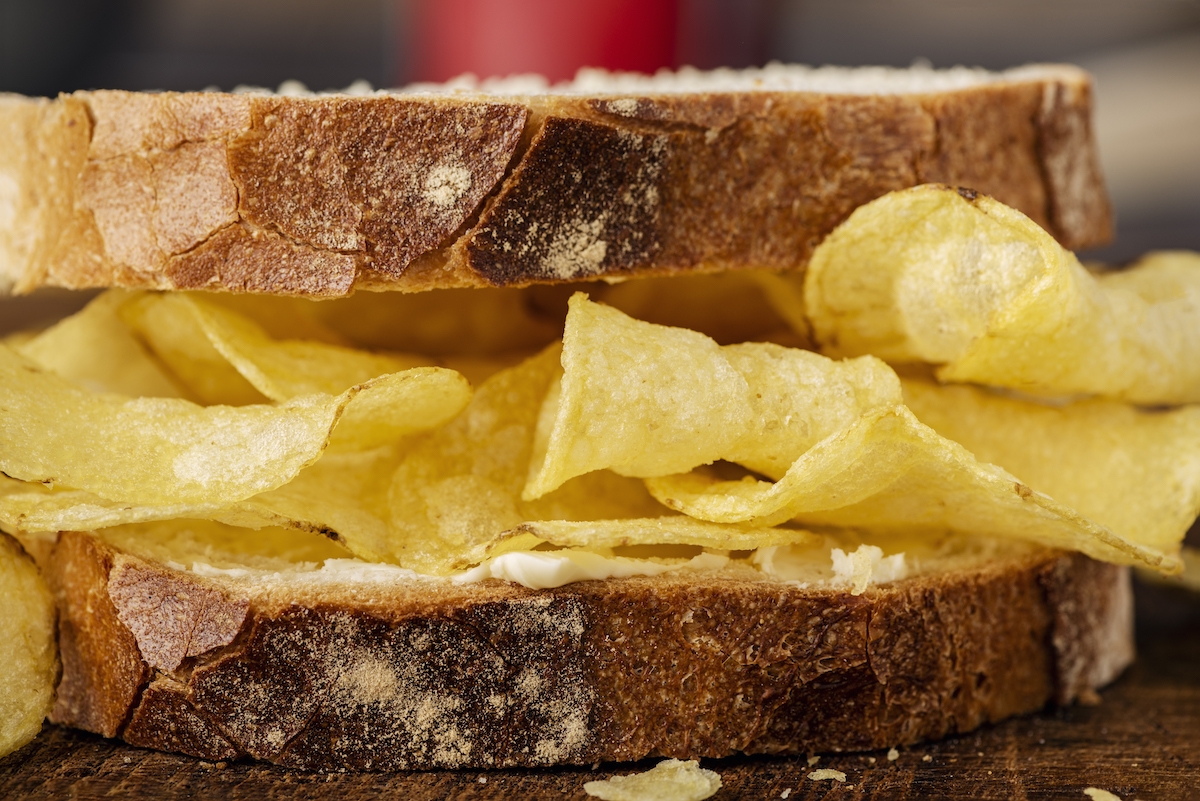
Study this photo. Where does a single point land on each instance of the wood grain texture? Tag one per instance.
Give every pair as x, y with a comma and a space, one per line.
1142, 741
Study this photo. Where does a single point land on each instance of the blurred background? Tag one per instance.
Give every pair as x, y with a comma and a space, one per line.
1145, 56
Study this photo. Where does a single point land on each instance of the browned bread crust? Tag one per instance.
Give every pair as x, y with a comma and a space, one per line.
422, 674
318, 196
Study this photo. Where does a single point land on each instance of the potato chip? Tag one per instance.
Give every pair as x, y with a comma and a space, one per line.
927, 274
343, 496
729, 307
1133, 470
170, 451
95, 349
458, 490
669, 780
891, 474
222, 547
332, 497
855, 455
663, 530
167, 327
218, 341
459, 322
439, 503
282, 370
27, 648
647, 400
27, 507
280, 316
203, 342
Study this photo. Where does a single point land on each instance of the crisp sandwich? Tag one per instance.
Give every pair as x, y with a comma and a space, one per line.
551, 519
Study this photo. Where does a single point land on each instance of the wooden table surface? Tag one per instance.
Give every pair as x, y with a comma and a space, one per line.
1142, 741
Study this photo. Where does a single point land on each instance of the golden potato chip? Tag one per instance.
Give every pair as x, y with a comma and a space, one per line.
600, 415
170, 451
1135, 471
729, 307
852, 453
204, 342
282, 370
223, 355
27, 507
343, 496
95, 349
222, 547
281, 317
890, 473
669, 780
459, 488
647, 400
167, 327
446, 500
458, 322
332, 497
27, 648
664, 530
928, 274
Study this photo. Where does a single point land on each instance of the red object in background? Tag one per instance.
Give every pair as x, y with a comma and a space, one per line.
551, 37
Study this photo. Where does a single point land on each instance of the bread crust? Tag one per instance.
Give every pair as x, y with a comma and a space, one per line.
418, 674
319, 196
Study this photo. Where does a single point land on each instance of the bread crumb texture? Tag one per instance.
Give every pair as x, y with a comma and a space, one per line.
669, 780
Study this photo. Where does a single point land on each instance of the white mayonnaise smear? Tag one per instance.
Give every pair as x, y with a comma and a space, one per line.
540, 570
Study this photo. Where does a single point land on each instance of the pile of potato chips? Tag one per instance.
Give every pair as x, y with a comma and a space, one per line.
437, 431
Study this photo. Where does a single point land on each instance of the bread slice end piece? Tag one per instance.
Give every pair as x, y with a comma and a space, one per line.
430, 674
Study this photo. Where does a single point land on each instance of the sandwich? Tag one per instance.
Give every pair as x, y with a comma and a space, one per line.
694, 415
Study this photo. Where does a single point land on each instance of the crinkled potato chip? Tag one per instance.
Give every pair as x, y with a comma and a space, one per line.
438, 503
458, 490
458, 322
203, 343
646, 400
27, 506
963, 281
282, 370
665, 530
167, 327
27, 648
156, 451
1136, 471
729, 307
95, 349
890, 473
858, 457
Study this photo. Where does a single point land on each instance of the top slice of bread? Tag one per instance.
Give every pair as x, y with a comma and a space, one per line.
613, 177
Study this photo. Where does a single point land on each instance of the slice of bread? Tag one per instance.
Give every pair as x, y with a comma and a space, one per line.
363, 667
611, 176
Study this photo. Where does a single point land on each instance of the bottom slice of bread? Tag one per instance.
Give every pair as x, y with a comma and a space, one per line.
362, 673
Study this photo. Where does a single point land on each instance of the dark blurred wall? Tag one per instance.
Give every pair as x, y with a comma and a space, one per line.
54, 45
62, 45
984, 33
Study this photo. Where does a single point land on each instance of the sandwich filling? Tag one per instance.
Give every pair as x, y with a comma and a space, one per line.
705, 436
